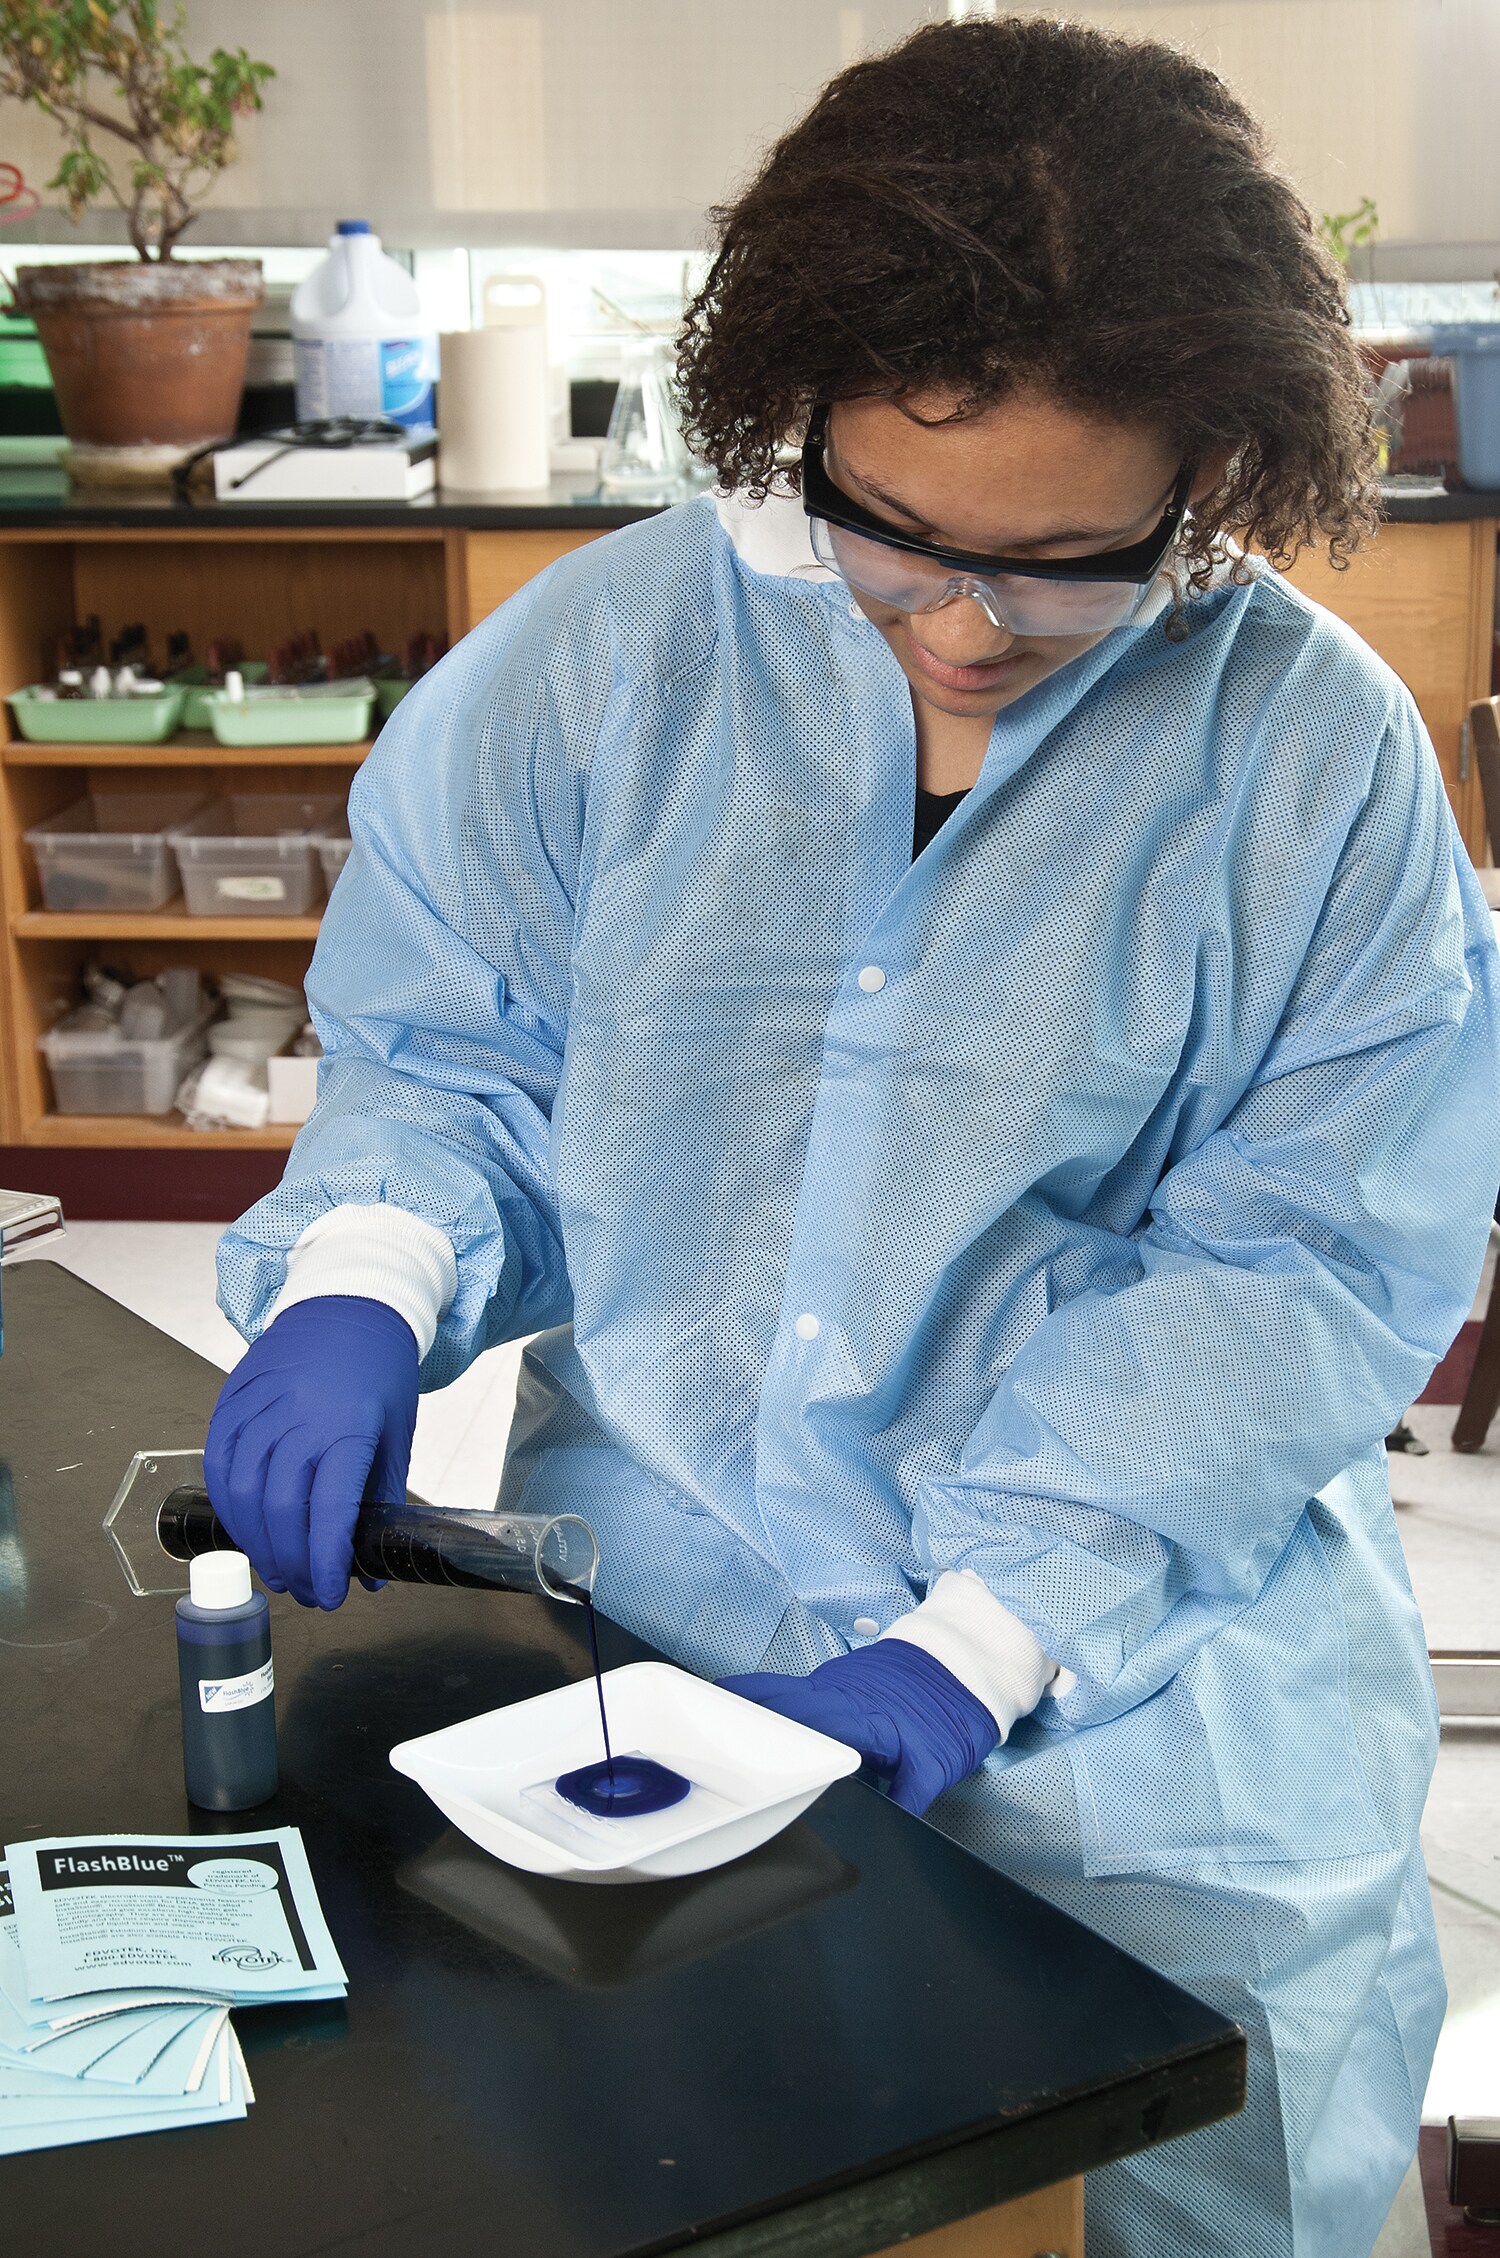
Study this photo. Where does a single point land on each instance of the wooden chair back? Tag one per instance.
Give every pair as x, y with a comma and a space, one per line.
1484, 738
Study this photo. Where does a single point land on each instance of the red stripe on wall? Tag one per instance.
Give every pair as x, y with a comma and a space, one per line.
142, 1184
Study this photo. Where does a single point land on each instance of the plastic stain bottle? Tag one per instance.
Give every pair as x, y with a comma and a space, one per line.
359, 339
224, 1664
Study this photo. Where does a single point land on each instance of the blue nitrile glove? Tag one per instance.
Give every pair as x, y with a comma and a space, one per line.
317, 1418
911, 1720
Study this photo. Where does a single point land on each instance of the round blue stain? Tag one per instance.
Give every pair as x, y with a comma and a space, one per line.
623, 1787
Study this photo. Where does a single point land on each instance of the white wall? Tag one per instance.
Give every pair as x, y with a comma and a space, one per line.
1394, 99
618, 122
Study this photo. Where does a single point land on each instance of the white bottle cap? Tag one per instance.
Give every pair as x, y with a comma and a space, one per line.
219, 1579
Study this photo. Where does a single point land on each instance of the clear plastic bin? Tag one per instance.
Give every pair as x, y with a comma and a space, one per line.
110, 850
254, 854
334, 846
98, 1073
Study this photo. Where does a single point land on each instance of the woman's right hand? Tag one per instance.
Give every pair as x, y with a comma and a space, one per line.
316, 1420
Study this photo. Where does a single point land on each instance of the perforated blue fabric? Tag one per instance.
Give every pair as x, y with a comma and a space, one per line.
1131, 1210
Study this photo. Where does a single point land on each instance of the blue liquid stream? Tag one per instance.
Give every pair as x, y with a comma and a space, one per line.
622, 1787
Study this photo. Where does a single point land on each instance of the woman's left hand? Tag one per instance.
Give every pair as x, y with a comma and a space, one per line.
918, 1729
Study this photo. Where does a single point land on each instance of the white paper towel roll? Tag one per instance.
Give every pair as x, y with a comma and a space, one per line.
494, 426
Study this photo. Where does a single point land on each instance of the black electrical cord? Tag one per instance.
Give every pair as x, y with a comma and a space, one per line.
331, 432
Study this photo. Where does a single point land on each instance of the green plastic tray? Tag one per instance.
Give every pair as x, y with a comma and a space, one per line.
96, 721
290, 721
22, 361
194, 679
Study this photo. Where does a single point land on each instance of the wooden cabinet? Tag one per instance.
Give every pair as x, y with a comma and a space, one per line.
262, 586
494, 565
1423, 596
1046, 2224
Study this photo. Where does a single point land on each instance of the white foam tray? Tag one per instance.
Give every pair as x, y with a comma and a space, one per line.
752, 1774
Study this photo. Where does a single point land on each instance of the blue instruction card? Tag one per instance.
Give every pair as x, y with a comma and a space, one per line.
234, 1916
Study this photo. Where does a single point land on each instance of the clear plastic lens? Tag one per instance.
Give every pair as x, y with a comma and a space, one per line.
1025, 606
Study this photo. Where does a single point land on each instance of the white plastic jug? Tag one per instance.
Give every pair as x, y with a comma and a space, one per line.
359, 341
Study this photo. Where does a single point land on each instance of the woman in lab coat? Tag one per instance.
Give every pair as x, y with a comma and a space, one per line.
955, 1012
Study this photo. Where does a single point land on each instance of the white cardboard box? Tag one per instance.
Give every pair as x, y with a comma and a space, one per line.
294, 1087
265, 470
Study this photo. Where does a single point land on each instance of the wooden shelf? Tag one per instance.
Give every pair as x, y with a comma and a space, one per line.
190, 748
153, 1129
265, 583
169, 924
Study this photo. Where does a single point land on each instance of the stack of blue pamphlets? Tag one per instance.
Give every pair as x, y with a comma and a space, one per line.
120, 1958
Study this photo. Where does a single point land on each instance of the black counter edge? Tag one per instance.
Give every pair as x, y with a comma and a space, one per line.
287, 517
1455, 508
858, 2217
476, 515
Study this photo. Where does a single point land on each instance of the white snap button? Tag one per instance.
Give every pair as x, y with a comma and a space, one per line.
872, 979
806, 1327
865, 1627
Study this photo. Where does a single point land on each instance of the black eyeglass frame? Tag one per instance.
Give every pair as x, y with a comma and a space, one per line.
1140, 563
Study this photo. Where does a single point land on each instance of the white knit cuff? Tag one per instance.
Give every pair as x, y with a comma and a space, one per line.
990, 1651
381, 1254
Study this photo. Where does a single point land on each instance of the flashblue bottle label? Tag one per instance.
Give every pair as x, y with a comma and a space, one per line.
216, 1695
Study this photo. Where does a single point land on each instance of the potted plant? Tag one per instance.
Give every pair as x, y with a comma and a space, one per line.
147, 354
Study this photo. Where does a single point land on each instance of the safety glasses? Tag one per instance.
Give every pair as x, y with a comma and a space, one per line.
1057, 596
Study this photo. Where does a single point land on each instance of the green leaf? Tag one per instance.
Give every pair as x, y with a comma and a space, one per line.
1344, 232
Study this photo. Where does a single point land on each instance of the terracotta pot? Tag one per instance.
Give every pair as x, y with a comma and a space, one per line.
148, 361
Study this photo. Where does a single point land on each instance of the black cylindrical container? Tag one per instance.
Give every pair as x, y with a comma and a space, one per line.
552, 1553
228, 1706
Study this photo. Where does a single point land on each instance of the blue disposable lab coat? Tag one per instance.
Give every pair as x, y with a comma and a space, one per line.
1133, 1206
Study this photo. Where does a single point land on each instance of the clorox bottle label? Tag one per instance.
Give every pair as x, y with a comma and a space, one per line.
405, 380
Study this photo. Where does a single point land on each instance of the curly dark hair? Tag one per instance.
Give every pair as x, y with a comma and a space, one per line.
995, 206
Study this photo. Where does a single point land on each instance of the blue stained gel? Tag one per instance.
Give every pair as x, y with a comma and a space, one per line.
622, 1787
